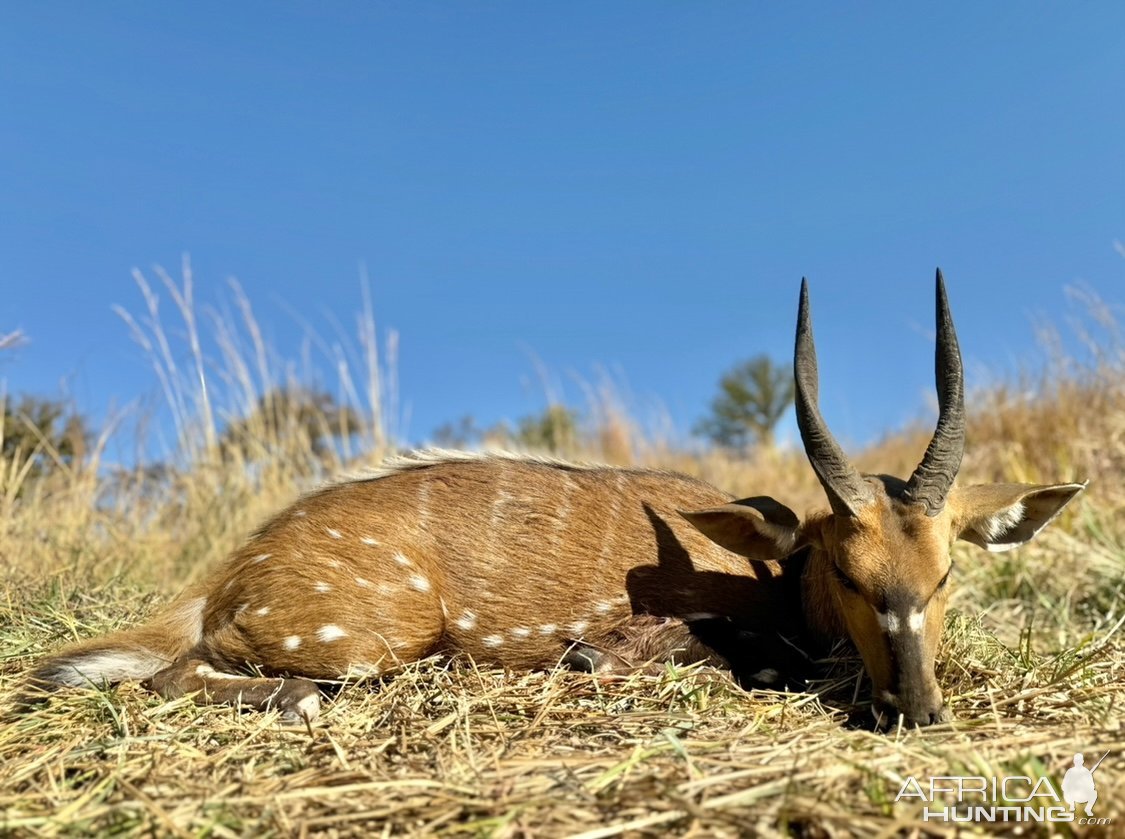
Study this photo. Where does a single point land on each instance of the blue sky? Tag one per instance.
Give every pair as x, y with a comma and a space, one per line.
639, 186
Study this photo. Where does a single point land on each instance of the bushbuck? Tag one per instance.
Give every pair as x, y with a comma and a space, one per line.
526, 563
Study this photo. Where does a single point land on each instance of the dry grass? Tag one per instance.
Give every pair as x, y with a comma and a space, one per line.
1033, 660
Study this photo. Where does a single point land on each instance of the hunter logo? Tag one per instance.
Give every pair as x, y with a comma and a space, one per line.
1007, 798
1078, 784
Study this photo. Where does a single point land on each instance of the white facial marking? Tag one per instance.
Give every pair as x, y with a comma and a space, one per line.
362, 583
492, 640
371, 543
335, 534
420, 583
578, 627
521, 632
330, 632
916, 620
292, 642
261, 558
265, 610
888, 621
603, 606
467, 620
402, 559
548, 629
322, 587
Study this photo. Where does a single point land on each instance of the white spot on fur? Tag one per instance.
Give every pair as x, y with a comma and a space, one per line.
888, 621
467, 620
322, 587
206, 671
603, 606
402, 559
521, 632
330, 632
916, 620
420, 583
548, 629
362, 583
335, 534
265, 610
261, 558
492, 640
578, 627
300, 514
367, 540
609, 533
423, 507
292, 642
503, 498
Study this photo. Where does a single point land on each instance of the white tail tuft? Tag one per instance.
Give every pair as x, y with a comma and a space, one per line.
100, 666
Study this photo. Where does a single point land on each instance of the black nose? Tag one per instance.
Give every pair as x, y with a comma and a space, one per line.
887, 715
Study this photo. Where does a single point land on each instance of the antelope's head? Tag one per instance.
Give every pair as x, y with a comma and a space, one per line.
879, 565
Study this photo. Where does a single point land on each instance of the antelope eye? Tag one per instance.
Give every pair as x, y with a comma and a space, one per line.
945, 579
846, 581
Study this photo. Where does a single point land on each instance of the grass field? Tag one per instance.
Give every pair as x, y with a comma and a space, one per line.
1033, 660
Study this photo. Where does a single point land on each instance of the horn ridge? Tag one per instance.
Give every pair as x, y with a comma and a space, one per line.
931, 481
847, 492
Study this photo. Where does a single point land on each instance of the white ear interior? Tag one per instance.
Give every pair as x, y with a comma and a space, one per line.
1000, 523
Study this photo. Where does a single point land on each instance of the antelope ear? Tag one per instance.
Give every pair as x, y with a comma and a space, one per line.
758, 528
999, 517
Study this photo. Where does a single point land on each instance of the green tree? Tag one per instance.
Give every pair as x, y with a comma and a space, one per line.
753, 397
291, 417
555, 430
44, 433
458, 434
